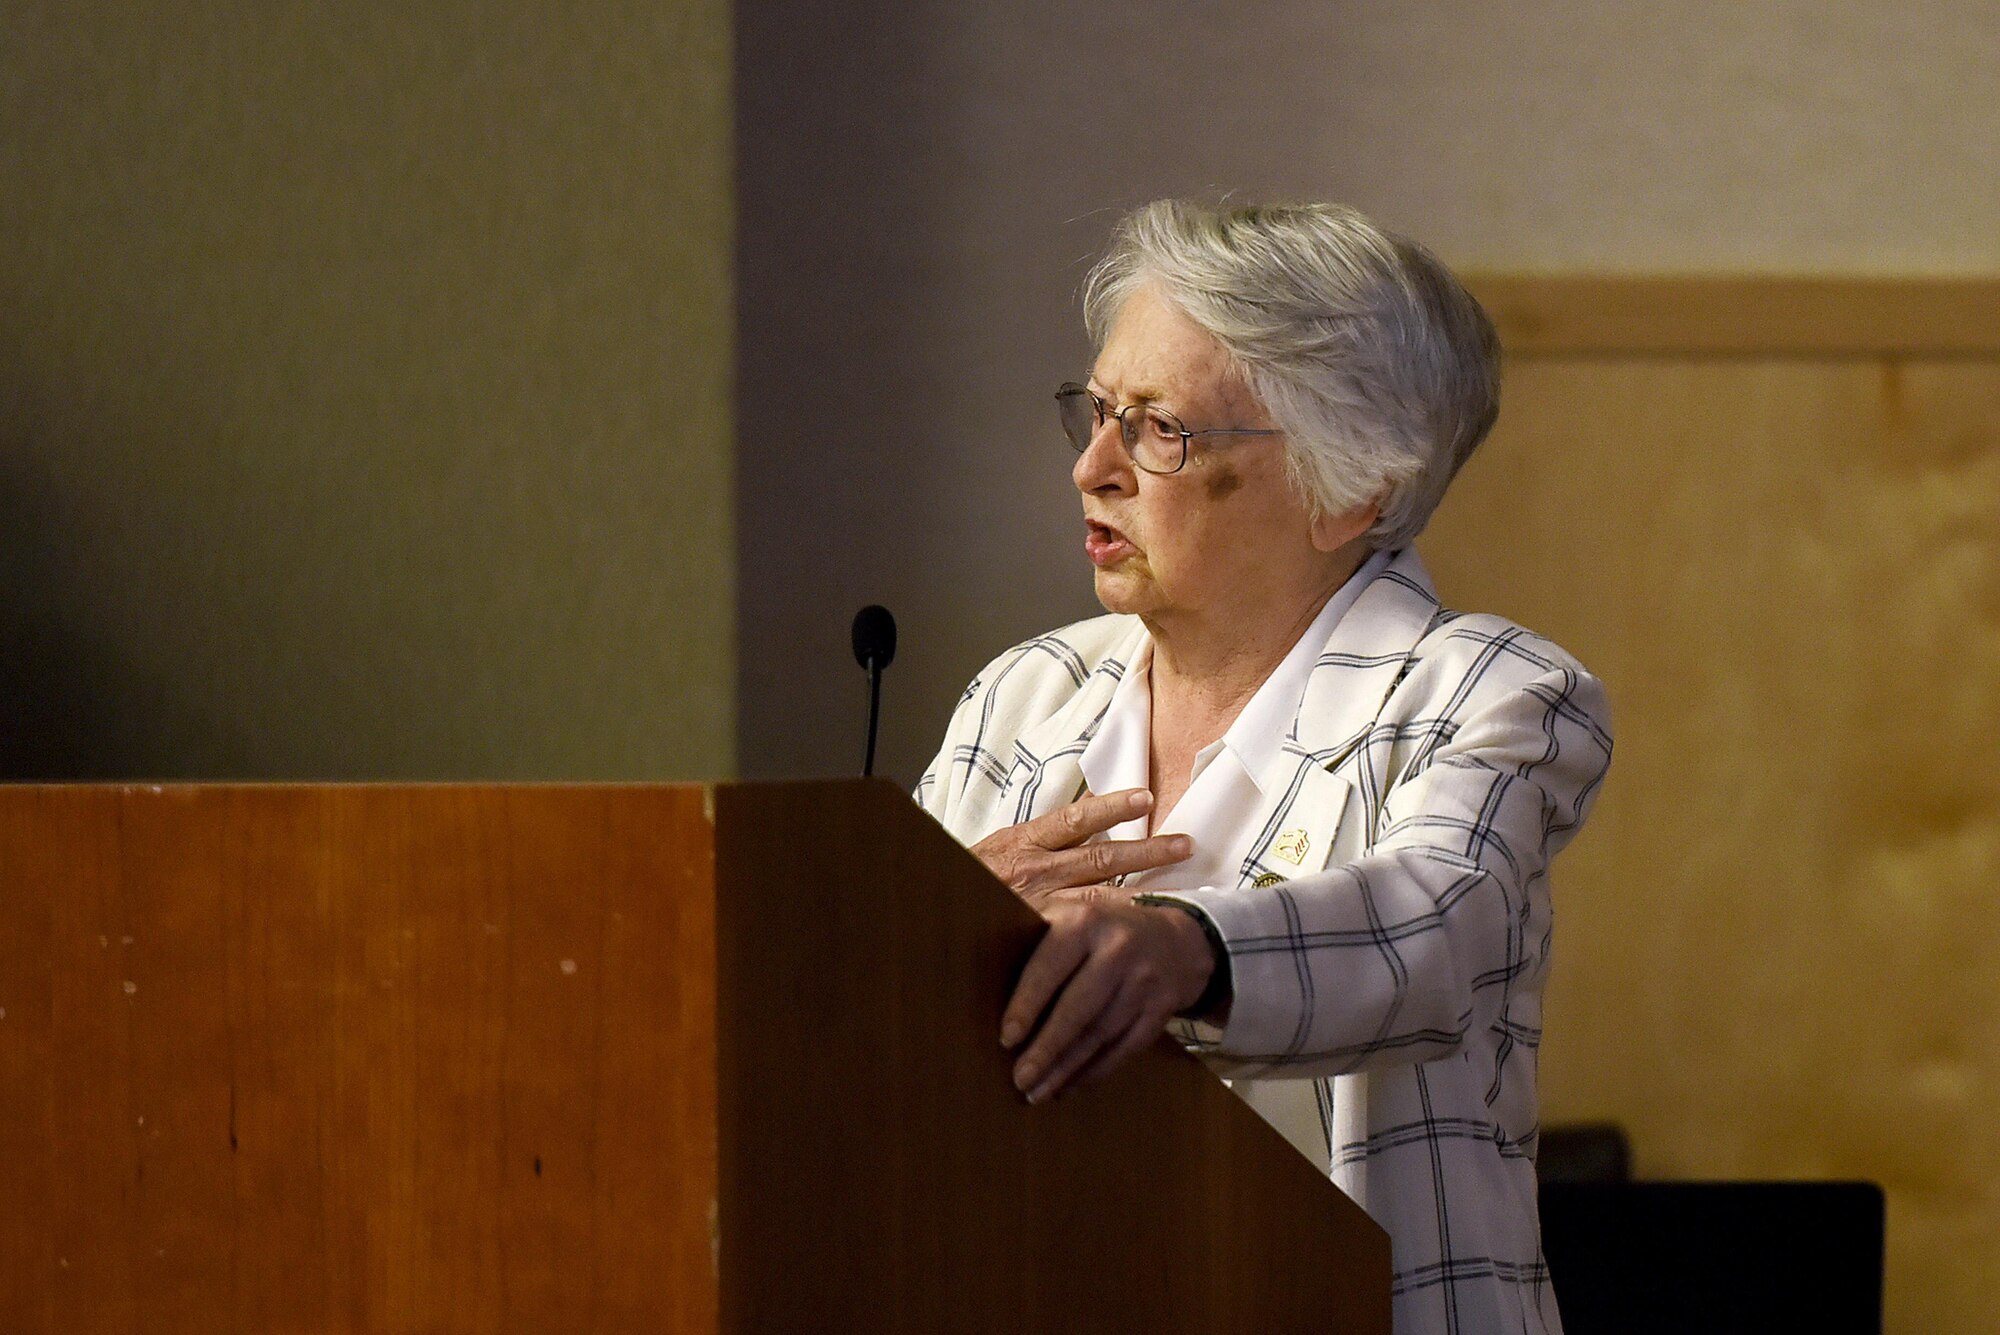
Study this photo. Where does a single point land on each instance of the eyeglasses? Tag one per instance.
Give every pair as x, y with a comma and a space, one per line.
1154, 437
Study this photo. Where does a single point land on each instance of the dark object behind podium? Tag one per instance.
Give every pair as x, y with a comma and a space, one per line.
1640, 1258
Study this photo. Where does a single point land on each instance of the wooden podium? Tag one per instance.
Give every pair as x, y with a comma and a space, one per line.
589, 1058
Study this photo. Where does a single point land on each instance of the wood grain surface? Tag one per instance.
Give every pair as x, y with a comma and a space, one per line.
355, 1059
1789, 316
880, 1173
388, 1059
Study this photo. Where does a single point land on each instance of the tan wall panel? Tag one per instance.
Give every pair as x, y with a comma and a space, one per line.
1581, 315
1778, 941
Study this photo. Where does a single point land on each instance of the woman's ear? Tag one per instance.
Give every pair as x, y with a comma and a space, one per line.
1332, 531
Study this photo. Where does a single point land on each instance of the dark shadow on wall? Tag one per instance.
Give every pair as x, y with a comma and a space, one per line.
73, 706
828, 198
893, 370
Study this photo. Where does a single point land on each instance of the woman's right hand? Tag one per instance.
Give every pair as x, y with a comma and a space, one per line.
1046, 855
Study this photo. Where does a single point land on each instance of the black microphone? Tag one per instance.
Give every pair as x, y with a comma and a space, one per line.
874, 649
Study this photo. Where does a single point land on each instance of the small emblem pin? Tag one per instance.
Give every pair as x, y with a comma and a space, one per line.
1292, 846
1267, 880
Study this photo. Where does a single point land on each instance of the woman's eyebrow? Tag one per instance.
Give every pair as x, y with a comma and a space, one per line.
1143, 395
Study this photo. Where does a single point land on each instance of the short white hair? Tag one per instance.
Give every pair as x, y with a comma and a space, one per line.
1380, 368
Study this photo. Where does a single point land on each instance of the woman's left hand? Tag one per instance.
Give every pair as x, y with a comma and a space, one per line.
1115, 971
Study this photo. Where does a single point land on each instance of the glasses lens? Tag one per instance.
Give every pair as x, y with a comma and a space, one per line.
1153, 435
1078, 412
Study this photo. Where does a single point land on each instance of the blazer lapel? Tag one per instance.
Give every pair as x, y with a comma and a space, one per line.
1324, 765
1300, 823
1045, 770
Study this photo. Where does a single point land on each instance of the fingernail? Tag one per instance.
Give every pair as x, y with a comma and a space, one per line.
1182, 845
1141, 800
1010, 1034
1041, 1092
1024, 1079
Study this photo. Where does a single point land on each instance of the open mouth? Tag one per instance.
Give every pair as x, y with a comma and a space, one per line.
1105, 545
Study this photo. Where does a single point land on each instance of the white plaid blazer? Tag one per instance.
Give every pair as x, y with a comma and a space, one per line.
1437, 764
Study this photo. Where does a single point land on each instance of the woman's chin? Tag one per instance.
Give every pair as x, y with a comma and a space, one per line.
1120, 589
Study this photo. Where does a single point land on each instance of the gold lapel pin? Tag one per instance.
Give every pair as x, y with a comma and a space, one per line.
1292, 846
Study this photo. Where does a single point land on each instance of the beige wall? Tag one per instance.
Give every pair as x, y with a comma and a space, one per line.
1770, 135
364, 390
921, 190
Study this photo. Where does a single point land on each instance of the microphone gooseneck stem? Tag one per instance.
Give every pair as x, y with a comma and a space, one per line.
874, 714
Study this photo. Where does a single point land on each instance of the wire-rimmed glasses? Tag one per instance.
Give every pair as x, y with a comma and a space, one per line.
1154, 437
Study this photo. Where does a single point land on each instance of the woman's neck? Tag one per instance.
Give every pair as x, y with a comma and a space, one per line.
1201, 683
1205, 669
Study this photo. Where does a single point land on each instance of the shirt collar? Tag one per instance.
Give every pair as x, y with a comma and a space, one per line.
1266, 720
1118, 753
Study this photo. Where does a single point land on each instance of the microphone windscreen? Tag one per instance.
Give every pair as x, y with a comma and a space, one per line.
874, 636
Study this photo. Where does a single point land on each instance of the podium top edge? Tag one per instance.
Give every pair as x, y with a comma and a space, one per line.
184, 786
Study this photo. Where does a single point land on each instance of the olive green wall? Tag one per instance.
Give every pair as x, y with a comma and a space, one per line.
364, 390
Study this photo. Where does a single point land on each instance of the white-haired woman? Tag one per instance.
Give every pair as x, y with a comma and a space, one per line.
1281, 801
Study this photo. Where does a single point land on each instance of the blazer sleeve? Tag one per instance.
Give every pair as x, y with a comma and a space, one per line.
1387, 960
973, 760
942, 782
1016, 691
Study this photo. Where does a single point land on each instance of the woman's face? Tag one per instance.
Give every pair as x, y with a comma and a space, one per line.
1226, 535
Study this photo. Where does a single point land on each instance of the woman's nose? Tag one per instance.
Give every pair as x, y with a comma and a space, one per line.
1104, 463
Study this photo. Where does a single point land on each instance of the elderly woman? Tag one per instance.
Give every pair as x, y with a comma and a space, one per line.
1281, 801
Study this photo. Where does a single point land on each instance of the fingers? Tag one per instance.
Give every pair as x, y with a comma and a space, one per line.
1040, 854
1039, 875
1051, 852
1110, 972
1042, 901
1148, 1026
1067, 826
1095, 1023
1122, 857
1054, 960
